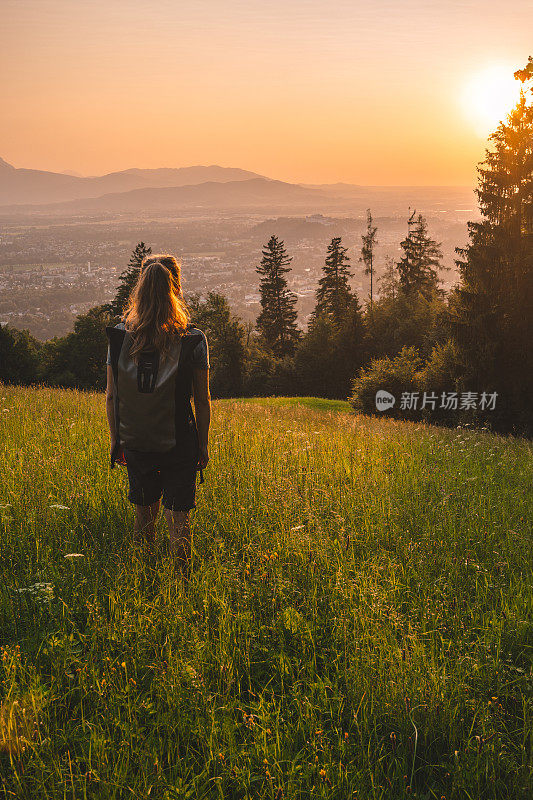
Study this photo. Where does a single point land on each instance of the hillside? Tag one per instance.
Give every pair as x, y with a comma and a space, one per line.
28, 186
252, 193
35, 192
358, 622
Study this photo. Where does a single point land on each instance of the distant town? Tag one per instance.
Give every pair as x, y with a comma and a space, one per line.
53, 269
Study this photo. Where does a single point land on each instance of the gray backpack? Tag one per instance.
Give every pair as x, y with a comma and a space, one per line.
152, 398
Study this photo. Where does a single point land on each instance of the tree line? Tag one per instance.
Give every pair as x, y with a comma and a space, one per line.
408, 338
270, 357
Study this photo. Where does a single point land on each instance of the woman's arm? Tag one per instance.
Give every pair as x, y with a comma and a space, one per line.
202, 407
110, 407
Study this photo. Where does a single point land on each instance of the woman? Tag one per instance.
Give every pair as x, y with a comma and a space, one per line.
156, 358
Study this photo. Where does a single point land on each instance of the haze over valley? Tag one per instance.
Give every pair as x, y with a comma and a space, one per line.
64, 240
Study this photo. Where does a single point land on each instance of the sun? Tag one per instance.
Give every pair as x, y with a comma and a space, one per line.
488, 96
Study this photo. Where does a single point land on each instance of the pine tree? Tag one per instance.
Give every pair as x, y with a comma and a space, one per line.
333, 295
227, 342
277, 321
418, 268
331, 353
367, 250
492, 315
128, 279
389, 282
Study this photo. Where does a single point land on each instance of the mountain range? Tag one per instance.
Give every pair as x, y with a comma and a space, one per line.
33, 186
197, 188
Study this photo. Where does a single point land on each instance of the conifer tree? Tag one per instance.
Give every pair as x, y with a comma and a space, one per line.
493, 312
367, 250
333, 295
389, 281
227, 342
418, 268
331, 353
277, 321
128, 279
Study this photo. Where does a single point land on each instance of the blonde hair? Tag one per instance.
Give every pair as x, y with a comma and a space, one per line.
171, 263
156, 309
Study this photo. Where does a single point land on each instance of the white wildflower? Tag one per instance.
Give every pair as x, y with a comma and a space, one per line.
58, 505
38, 589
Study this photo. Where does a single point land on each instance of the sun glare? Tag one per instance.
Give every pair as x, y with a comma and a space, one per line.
489, 96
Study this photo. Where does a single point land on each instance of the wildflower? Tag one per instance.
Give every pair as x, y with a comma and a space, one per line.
58, 505
123, 665
322, 773
38, 589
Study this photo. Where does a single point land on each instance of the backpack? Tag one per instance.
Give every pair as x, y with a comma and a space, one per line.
152, 398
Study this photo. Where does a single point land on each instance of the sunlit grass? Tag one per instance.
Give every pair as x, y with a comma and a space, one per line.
358, 622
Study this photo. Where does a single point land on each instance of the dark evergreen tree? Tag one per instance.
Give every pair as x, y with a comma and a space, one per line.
19, 356
331, 353
78, 359
226, 337
367, 250
333, 295
421, 261
404, 319
128, 279
493, 311
389, 283
277, 321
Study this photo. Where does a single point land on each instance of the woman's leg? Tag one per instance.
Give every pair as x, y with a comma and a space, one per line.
179, 528
144, 525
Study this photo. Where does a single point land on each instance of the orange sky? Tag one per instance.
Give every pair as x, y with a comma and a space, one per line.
300, 90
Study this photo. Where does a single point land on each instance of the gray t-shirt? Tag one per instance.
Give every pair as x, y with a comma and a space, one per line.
200, 354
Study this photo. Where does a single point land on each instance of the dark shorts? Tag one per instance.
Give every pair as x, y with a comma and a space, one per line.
170, 475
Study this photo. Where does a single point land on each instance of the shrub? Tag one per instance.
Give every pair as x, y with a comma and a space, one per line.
394, 375
442, 373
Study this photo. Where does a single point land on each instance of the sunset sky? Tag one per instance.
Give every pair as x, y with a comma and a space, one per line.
380, 92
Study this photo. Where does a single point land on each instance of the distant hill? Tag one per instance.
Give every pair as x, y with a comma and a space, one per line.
31, 186
29, 191
252, 193
34, 186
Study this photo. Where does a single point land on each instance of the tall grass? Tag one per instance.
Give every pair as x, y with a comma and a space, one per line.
358, 621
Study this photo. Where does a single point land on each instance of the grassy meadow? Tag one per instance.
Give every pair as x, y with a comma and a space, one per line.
358, 623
